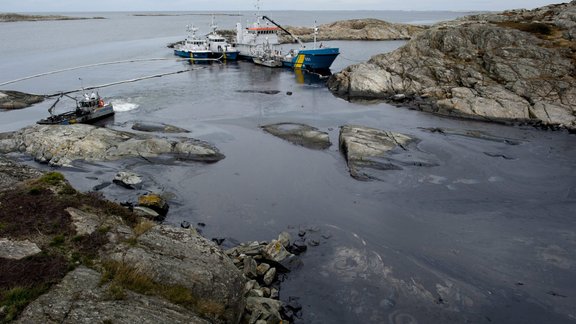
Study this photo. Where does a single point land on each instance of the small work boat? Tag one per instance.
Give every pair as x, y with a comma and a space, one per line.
89, 109
192, 47
218, 46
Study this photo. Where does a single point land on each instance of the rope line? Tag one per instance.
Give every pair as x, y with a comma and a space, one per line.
101, 64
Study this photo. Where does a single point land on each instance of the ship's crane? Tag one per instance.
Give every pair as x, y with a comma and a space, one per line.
284, 30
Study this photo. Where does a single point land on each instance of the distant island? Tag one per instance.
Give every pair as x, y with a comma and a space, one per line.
12, 17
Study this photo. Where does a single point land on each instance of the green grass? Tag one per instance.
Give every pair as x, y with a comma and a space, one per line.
52, 178
16, 299
122, 275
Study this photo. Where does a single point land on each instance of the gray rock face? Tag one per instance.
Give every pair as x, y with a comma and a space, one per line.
60, 145
177, 256
356, 29
300, 134
492, 67
18, 100
17, 250
80, 298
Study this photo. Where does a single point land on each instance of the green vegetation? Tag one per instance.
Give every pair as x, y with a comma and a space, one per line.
52, 178
36, 211
16, 299
119, 274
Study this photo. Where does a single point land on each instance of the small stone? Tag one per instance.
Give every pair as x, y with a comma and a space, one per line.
274, 293
201, 224
266, 291
270, 276
289, 93
255, 293
284, 238
262, 269
275, 251
298, 247
146, 212
313, 243
185, 224
301, 233
250, 267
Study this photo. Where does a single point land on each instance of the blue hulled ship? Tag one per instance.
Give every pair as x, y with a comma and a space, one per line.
259, 42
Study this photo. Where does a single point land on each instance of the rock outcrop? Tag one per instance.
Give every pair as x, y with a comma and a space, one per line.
12, 17
82, 298
369, 150
516, 66
300, 134
60, 145
179, 257
18, 100
355, 29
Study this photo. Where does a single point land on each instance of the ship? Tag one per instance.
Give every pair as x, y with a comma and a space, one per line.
89, 109
218, 46
192, 47
259, 43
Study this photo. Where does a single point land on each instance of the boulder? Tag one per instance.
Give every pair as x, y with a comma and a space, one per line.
155, 202
82, 298
18, 100
177, 256
369, 150
507, 67
17, 250
128, 180
300, 134
275, 251
59, 145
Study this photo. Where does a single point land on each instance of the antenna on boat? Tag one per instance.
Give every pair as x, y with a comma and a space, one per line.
315, 32
81, 84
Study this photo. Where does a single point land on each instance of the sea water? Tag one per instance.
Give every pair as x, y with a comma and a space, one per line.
486, 235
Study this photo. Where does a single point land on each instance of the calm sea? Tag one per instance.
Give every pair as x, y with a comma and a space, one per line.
488, 235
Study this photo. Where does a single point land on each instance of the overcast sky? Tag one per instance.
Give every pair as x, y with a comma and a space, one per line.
237, 5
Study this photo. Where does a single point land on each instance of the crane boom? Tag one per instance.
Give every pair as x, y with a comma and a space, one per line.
284, 30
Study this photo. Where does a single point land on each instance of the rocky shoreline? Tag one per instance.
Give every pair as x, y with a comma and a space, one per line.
355, 29
13, 17
514, 67
103, 263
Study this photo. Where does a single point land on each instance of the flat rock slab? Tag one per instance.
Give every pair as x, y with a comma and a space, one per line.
81, 298
17, 250
59, 145
158, 128
369, 150
300, 134
18, 100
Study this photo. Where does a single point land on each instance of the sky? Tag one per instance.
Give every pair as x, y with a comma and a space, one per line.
249, 5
